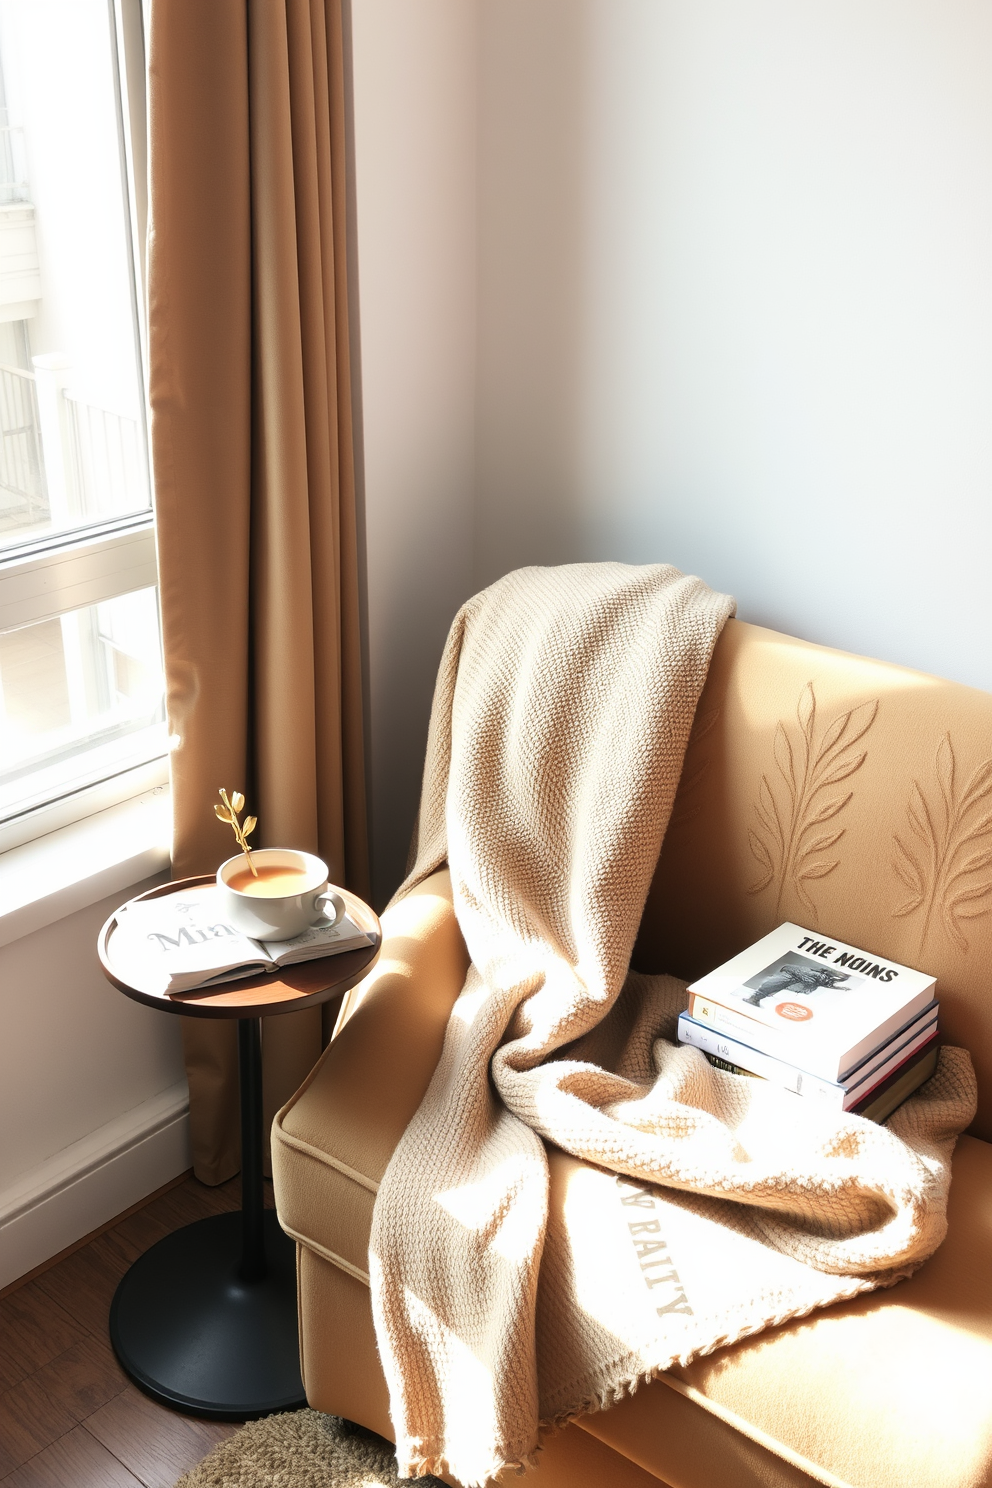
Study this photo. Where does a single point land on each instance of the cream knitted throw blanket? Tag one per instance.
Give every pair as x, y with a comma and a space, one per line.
562, 711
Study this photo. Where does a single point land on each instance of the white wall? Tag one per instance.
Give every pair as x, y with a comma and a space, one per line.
93, 1098
75, 1051
732, 310
736, 306
414, 81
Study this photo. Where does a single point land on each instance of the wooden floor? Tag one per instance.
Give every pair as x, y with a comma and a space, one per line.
69, 1417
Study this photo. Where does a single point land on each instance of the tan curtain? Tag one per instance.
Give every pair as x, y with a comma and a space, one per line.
253, 459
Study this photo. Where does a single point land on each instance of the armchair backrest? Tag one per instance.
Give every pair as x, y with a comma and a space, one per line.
849, 796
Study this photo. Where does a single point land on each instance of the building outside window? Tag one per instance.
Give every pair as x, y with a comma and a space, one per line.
82, 719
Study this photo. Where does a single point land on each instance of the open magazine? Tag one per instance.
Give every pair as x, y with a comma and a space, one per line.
181, 942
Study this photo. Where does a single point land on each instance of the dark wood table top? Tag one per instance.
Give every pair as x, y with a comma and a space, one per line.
284, 991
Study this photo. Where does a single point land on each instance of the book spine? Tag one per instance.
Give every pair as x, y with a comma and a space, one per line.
738, 1025
801, 1082
702, 1010
731, 1069
892, 1093
883, 1033
893, 1070
926, 1016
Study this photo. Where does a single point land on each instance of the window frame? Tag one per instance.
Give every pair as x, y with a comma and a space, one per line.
52, 575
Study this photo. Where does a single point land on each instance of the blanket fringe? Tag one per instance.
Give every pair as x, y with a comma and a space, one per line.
422, 1467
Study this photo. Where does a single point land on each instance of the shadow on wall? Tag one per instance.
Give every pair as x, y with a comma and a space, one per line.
734, 309
414, 92
534, 138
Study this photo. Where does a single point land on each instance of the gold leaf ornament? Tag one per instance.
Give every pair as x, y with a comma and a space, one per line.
228, 811
792, 798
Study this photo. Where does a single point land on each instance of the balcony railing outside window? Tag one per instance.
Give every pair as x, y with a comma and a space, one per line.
23, 491
98, 453
13, 164
108, 473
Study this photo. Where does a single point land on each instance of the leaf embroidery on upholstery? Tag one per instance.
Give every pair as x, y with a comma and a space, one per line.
940, 862
796, 813
687, 804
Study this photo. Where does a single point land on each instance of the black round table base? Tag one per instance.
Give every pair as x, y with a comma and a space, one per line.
193, 1335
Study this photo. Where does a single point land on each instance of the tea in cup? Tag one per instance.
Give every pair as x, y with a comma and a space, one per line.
287, 893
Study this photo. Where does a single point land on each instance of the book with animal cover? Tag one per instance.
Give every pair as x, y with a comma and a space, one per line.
182, 943
812, 1001
842, 1095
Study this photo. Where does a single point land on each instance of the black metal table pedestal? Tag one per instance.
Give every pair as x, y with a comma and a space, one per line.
206, 1320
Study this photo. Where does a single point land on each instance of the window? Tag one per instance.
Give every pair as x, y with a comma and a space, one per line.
82, 719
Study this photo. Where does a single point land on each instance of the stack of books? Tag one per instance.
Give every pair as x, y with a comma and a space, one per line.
819, 1017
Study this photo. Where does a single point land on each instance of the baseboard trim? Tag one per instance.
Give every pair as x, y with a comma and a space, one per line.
84, 1240
79, 1189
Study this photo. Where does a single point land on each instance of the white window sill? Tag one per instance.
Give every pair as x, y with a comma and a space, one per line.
78, 865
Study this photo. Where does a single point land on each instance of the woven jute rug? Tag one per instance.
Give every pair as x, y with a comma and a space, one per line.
300, 1449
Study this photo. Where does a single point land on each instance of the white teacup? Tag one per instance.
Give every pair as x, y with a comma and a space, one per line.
287, 897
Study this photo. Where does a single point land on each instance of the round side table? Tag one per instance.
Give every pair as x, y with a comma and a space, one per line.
205, 1321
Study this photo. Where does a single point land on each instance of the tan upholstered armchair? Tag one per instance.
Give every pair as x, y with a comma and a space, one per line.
890, 848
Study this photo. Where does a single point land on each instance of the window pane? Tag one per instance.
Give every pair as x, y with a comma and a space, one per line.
72, 438
81, 698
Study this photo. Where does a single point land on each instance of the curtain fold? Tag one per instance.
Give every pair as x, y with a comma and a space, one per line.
252, 452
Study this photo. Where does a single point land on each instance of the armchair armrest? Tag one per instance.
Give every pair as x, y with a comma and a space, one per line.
360, 1096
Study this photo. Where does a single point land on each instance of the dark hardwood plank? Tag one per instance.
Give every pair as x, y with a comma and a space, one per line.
192, 1201
84, 1378
33, 1330
84, 1284
155, 1444
129, 1240
76, 1460
30, 1420
110, 1254
69, 1418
